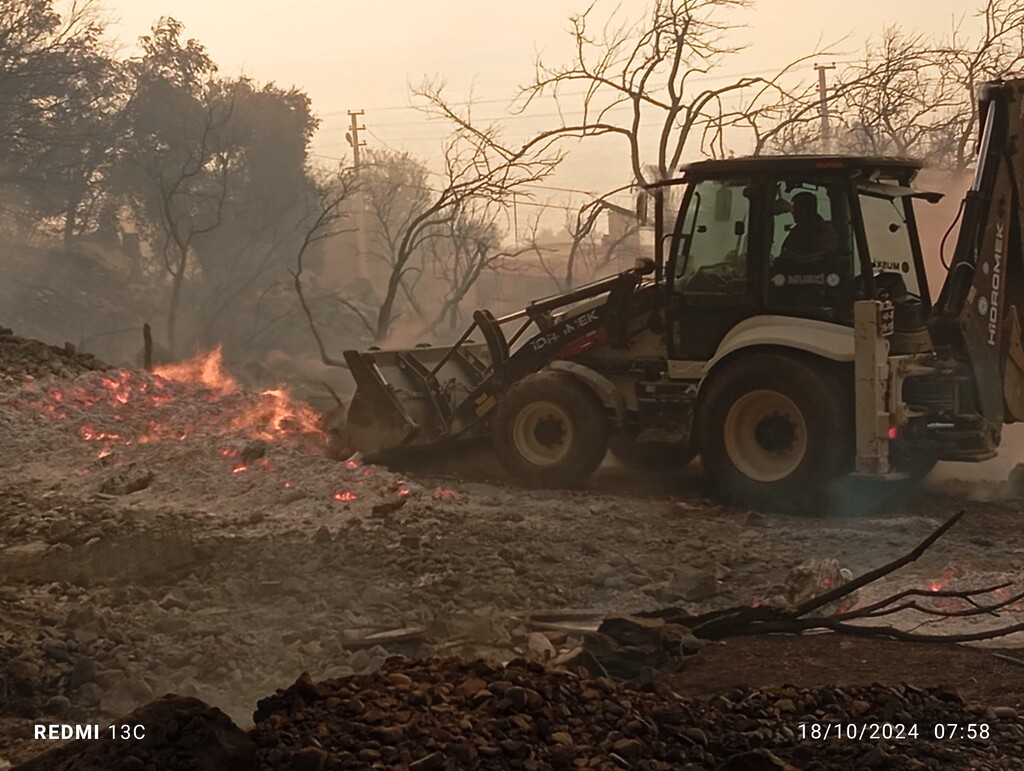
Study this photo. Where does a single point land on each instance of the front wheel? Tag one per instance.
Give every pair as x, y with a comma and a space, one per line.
775, 432
549, 430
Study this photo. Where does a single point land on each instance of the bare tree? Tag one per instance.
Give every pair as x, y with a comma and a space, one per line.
324, 220
480, 173
465, 250
915, 95
190, 187
659, 69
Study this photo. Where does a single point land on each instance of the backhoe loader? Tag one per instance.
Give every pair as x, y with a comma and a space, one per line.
783, 331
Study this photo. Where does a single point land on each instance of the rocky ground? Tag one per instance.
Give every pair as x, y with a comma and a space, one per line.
162, 535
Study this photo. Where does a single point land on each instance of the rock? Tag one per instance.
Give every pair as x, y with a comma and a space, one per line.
172, 600
694, 585
1004, 713
252, 451
755, 519
308, 759
57, 705
323, 535
540, 645
629, 749
131, 480
22, 669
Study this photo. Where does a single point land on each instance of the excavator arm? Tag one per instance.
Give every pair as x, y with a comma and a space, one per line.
976, 319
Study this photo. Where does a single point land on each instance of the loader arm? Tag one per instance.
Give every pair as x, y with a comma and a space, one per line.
977, 317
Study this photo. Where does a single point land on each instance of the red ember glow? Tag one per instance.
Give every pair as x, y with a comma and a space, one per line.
447, 494
947, 575
344, 495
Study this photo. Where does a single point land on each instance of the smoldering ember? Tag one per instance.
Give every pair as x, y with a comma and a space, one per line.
657, 410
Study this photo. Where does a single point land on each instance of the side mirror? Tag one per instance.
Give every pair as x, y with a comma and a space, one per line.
641, 208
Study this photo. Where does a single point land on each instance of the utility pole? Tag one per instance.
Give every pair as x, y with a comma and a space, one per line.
352, 137
515, 218
826, 129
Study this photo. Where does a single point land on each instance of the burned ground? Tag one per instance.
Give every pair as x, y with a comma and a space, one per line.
180, 534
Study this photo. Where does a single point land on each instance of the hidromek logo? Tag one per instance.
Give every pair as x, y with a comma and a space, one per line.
993, 310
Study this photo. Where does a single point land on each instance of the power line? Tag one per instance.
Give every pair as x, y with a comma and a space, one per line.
471, 102
520, 203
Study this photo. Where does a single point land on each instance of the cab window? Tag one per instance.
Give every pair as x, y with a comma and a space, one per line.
888, 237
812, 260
713, 244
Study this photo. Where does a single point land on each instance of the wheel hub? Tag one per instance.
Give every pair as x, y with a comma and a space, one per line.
549, 431
775, 433
765, 435
542, 433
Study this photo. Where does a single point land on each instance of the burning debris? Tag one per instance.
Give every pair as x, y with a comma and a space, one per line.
195, 422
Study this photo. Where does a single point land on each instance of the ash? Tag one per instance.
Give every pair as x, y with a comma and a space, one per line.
172, 532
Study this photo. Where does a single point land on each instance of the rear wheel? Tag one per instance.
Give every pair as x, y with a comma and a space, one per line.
549, 430
653, 456
775, 432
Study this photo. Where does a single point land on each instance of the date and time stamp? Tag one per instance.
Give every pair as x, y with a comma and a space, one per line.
872, 732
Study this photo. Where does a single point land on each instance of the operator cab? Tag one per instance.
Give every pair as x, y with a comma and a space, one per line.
801, 237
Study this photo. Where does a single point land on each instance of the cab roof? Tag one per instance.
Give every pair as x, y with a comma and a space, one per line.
800, 164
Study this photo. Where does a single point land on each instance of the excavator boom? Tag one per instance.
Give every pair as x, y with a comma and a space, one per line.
977, 317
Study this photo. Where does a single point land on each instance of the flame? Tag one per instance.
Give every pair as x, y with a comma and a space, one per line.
352, 463
344, 495
205, 368
190, 401
276, 413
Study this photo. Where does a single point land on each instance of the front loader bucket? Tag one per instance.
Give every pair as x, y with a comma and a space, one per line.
376, 420
407, 398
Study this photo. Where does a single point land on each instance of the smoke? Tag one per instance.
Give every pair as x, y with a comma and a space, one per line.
938, 222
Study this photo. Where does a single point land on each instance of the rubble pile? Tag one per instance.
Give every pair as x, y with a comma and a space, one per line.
457, 714
450, 714
23, 360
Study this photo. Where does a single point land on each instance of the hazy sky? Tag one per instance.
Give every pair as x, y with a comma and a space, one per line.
361, 55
